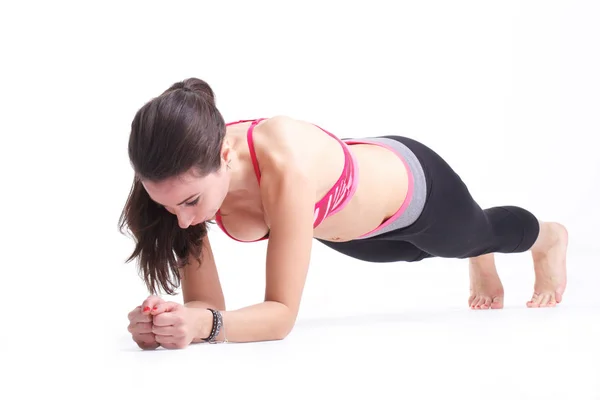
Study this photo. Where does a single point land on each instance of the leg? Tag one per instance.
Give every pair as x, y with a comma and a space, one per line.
453, 225
379, 251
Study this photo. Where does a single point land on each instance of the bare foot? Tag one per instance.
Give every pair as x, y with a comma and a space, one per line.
486, 287
550, 263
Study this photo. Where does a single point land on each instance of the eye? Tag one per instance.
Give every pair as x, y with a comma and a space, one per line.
193, 202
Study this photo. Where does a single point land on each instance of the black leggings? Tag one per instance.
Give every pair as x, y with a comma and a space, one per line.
451, 225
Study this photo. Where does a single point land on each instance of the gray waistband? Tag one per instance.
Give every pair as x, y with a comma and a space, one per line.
417, 201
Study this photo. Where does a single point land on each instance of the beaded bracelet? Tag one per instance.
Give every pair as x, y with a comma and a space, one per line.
216, 327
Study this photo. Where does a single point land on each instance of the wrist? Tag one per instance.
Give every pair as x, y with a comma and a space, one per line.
203, 324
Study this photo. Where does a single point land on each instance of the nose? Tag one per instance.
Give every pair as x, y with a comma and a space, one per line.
184, 220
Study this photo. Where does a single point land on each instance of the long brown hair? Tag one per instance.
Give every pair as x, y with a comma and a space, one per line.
179, 130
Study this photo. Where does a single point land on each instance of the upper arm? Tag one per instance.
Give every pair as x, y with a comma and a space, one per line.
200, 282
288, 199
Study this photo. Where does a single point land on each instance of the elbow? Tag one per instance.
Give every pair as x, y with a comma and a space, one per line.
285, 326
284, 331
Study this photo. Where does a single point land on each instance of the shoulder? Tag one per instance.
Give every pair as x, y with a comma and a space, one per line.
276, 139
279, 127
284, 157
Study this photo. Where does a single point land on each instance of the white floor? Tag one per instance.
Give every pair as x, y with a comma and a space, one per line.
410, 336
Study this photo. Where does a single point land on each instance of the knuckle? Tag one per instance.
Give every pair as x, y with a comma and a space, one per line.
154, 299
145, 318
133, 313
147, 345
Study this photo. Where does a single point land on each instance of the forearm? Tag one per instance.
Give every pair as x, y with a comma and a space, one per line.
260, 322
203, 305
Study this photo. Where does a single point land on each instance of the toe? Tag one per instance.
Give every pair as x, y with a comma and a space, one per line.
558, 297
475, 303
471, 300
497, 303
535, 301
486, 304
544, 298
480, 302
551, 300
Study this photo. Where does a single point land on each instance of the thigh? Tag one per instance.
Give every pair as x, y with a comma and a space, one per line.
451, 223
378, 250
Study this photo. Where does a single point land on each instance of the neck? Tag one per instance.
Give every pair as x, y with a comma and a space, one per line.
241, 171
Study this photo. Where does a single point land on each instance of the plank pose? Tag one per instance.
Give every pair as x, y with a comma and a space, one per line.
377, 199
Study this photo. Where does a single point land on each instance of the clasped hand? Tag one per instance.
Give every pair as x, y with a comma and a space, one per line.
162, 323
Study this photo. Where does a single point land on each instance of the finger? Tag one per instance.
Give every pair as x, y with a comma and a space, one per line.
140, 327
150, 303
168, 319
134, 312
137, 316
145, 337
174, 331
148, 346
165, 339
146, 341
167, 306
180, 344
173, 346
170, 342
163, 330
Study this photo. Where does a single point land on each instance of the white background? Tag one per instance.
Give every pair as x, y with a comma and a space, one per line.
507, 92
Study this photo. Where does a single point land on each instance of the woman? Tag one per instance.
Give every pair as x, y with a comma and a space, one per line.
382, 199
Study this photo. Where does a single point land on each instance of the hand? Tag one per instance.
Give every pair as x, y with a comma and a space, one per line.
175, 326
140, 323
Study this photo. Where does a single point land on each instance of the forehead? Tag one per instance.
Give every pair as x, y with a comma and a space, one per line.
172, 191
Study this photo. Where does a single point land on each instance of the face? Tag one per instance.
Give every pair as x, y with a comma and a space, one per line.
191, 199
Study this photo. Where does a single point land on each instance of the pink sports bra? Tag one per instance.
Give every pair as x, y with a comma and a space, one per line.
332, 202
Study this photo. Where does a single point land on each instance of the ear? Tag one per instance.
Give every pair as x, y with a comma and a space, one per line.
226, 152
